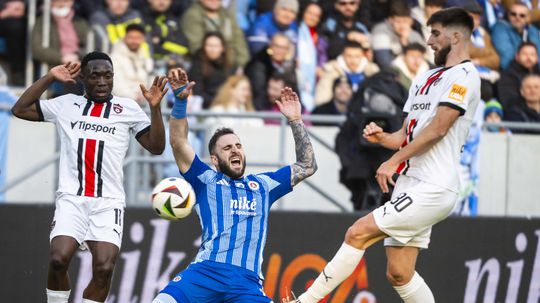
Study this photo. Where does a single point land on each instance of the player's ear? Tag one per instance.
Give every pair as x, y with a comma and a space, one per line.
214, 160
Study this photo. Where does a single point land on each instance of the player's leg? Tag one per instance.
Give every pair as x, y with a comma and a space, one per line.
104, 256
362, 234
61, 252
402, 275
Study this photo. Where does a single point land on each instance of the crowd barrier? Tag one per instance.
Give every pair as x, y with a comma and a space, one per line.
469, 260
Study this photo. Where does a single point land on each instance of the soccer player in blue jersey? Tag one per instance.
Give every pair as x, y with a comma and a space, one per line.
233, 208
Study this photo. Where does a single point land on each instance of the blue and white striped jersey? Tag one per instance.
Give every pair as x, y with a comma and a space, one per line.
233, 213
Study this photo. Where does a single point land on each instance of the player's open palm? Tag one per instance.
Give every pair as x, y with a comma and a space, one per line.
372, 132
156, 92
289, 104
178, 78
66, 72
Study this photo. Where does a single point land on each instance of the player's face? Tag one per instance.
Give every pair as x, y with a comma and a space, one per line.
439, 43
97, 78
229, 156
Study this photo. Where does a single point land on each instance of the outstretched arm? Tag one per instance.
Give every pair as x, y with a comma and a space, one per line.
154, 140
26, 108
305, 165
178, 124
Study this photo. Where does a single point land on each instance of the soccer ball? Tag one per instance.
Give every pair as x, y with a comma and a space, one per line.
173, 198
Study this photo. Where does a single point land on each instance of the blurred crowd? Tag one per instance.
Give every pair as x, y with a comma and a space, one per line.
352, 58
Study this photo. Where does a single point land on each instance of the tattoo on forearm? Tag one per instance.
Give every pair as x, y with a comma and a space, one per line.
305, 165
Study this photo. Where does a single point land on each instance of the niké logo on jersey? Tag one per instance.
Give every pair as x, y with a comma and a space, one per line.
85, 126
243, 206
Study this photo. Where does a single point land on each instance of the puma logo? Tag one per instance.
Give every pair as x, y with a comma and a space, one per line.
466, 71
78, 105
384, 212
326, 277
117, 232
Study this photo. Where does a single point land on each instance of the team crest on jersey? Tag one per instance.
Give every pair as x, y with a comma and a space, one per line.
177, 278
457, 93
253, 185
118, 108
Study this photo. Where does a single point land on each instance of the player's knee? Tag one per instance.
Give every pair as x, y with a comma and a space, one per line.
356, 236
397, 276
103, 270
58, 263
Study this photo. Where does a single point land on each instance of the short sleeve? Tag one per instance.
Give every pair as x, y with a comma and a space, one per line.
48, 109
193, 174
460, 90
278, 182
140, 124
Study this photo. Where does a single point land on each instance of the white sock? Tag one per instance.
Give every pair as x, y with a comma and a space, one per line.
58, 296
89, 301
416, 291
335, 272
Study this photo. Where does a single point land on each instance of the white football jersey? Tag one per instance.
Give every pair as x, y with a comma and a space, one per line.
94, 138
457, 87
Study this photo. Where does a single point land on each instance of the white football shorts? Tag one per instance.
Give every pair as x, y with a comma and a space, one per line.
88, 219
414, 208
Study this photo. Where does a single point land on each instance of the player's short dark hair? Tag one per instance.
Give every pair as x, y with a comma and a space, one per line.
220, 132
399, 8
415, 46
454, 16
525, 44
135, 27
94, 56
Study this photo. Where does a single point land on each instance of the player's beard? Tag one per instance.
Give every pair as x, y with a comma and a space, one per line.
224, 167
441, 55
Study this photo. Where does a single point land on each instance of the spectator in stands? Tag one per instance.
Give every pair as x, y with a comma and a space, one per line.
493, 11
114, 19
311, 54
493, 113
209, 67
234, 96
12, 38
67, 42
132, 64
165, 35
529, 109
508, 36
525, 62
274, 86
483, 54
280, 20
532, 5
277, 59
342, 25
411, 63
341, 95
7, 99
390, 36
422, 13
209, 16
351, 64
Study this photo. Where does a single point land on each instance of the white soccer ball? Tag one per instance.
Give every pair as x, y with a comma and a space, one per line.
173, 198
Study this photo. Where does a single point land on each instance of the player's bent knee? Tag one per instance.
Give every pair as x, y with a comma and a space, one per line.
357, 236
103, 270
398, 277
58, 263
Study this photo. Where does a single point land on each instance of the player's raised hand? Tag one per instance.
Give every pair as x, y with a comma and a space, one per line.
156, 92
289, 104
372, 132
178, 78
66, 72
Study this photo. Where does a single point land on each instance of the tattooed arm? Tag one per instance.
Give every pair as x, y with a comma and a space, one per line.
305, 164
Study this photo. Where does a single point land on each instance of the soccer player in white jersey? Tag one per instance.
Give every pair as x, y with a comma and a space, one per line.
233, 208
440, 108
94, 132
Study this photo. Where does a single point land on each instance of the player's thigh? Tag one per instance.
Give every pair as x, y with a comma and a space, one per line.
401, 261
63, 248
106, 224
70, 218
